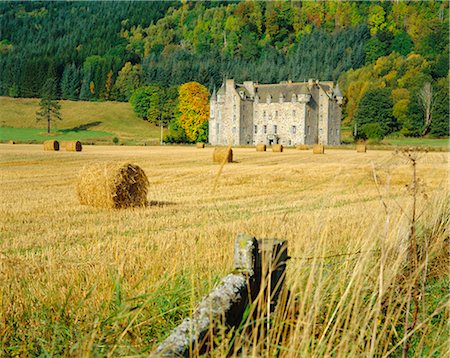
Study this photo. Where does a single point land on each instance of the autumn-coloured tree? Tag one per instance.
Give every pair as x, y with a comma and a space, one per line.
193, 107
108, 85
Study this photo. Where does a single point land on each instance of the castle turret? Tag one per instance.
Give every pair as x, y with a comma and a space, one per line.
338, 94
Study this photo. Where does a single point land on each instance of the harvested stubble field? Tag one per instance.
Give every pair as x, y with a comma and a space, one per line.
76, 280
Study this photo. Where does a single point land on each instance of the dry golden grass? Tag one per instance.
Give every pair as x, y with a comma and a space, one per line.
301, 147
76, 280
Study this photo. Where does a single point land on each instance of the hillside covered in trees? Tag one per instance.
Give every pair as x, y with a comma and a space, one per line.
393, 52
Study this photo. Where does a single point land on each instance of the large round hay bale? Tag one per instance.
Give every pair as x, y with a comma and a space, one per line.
223, 155
277, 148
361, 148
200, 145
51, 145
73, 146
112, 185
301, 147
11, 142
260, 147
318, 149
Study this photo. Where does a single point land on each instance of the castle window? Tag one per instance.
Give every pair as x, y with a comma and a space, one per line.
309, 130
234, 117
256, 129
264, 114
275, 128
276, 114
265, 129
290, 142
294, 113
294, 129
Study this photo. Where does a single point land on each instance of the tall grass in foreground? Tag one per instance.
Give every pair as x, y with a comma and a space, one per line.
356, 303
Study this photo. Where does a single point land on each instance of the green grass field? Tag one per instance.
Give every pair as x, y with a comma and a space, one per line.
422, 142
96, 122
37, 135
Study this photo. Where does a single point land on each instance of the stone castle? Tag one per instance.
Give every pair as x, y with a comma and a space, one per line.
287, 113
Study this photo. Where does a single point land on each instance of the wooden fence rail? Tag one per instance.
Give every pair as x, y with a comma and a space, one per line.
259, 271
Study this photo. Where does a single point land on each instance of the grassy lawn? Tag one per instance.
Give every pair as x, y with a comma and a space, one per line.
92, 121
37, 135
423, 142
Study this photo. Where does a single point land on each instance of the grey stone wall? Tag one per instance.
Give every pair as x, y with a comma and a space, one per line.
282, 123
312, 116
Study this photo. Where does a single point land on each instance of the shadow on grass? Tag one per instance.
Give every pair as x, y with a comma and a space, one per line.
82, 127
160, 203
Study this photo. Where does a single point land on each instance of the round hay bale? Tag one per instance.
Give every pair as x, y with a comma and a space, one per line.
112, 185
52, 145
277, 148
223, 155
260, 147
361, 148
200, 145
318, 149
301, 147
73, 146
11, 142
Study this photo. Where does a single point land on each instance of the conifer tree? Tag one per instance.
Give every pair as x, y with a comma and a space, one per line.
49, 108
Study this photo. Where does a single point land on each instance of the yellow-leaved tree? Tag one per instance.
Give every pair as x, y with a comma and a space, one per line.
193, 107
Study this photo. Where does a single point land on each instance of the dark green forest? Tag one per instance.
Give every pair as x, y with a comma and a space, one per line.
107, 50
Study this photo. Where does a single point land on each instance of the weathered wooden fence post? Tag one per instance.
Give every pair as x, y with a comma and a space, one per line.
257, 265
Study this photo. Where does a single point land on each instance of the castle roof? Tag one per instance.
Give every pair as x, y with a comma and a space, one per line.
281, 89
214, 95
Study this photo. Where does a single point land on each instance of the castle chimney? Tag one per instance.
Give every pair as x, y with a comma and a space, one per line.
250, 87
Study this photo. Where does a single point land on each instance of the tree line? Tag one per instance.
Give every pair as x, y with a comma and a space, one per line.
109, 51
